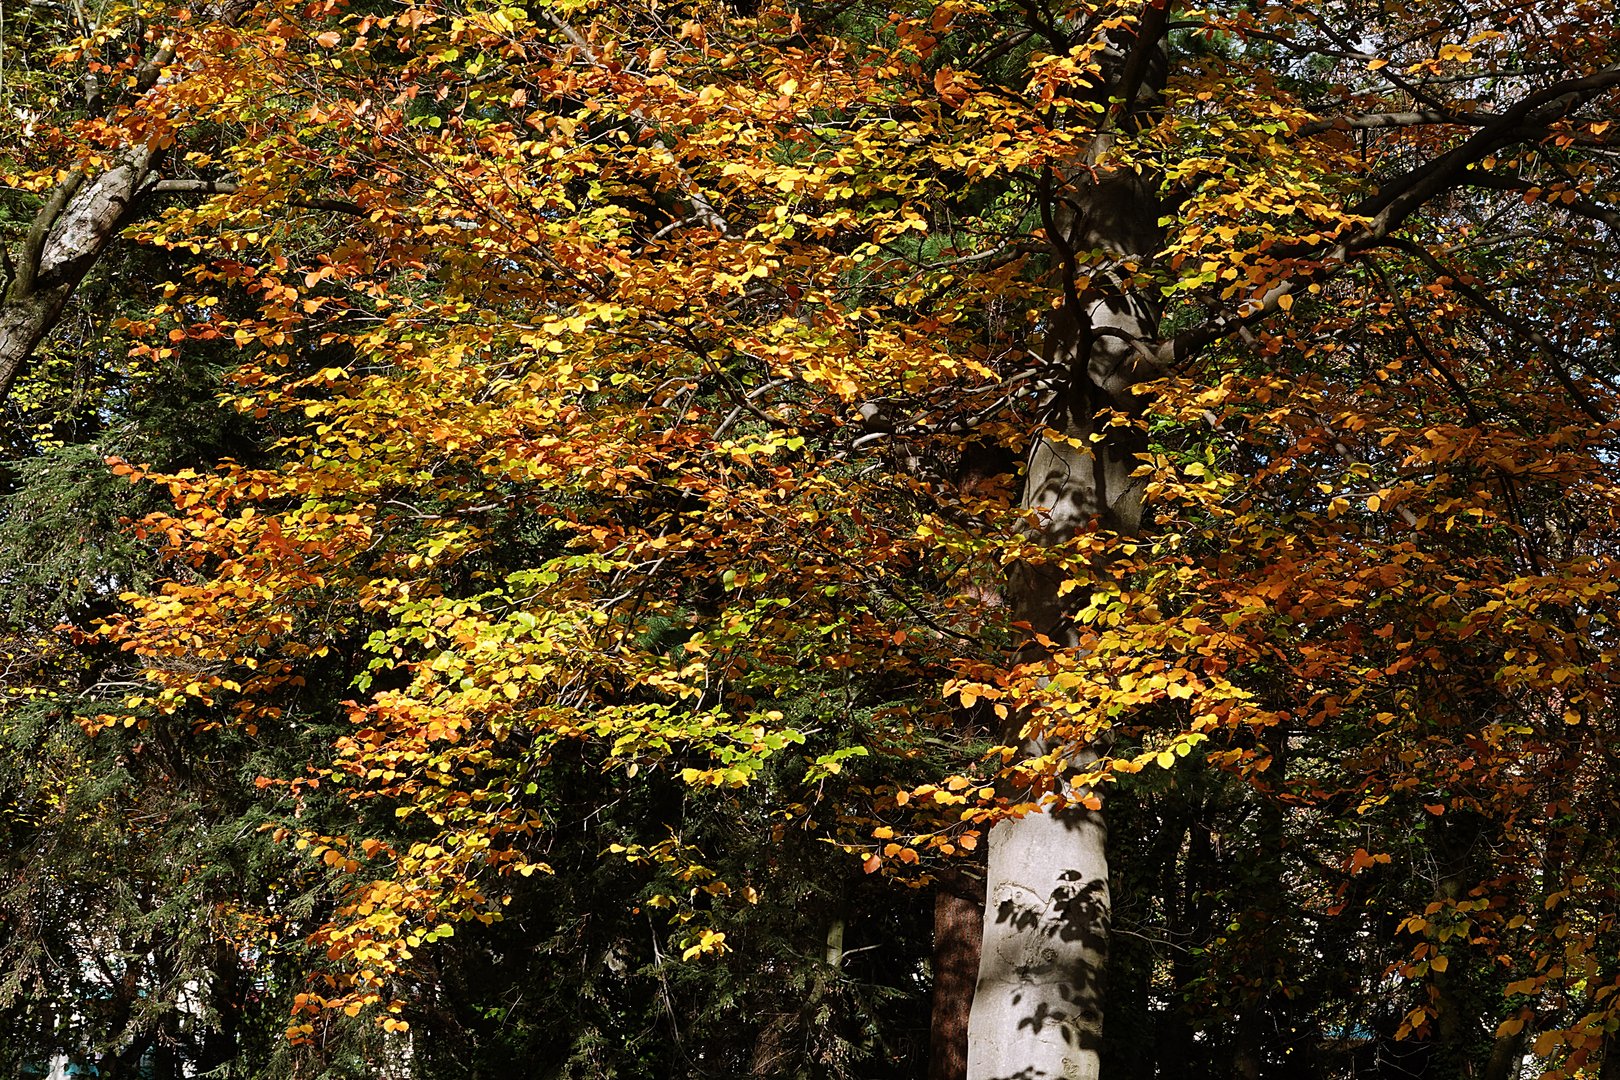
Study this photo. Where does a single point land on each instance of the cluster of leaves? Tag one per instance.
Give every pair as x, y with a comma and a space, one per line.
600, 555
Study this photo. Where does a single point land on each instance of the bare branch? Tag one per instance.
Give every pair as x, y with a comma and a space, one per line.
1397, 200
1374, 121
227, 187
1552, 356
1503, 182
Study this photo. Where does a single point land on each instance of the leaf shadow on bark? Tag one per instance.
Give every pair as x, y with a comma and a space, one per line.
1063, 961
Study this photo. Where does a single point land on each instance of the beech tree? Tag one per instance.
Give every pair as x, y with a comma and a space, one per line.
918, 433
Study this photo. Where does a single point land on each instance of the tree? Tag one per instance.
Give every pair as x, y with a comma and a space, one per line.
106, 101
917, 428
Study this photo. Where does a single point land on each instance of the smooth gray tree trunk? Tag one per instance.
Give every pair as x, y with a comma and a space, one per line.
1039, 1002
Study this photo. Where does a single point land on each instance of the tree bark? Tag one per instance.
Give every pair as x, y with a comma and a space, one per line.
958, 917
68, 234
1507, 1057
80, 217
1038, 1006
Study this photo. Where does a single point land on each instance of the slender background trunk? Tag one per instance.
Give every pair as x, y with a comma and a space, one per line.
958, 920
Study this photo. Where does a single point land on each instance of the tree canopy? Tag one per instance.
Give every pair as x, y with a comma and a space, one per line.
976, 538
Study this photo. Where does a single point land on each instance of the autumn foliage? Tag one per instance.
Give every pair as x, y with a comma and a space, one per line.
638, 399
